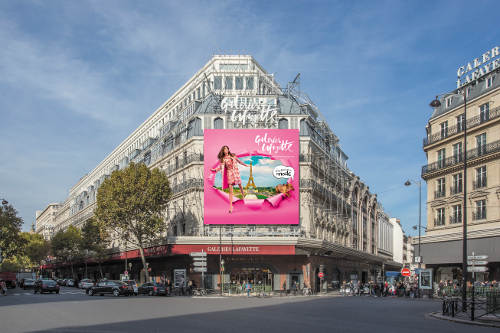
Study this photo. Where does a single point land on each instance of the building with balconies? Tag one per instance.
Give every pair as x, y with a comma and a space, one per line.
339, 215
45, 220
444, 147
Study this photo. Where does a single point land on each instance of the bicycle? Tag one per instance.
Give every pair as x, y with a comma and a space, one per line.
199, 292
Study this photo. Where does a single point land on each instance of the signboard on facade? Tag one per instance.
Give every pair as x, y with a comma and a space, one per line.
251, 176
243, 249
478, 67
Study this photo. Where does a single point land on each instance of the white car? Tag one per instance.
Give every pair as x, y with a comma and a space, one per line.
85, 284
70, 282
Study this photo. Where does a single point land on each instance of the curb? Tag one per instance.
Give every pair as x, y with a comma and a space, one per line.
438, 315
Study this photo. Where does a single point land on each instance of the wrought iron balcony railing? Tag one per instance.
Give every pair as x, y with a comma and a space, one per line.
456, 189
439, 221
479, 183
455, 219
439, 194
479, 215
490, 148
471, 123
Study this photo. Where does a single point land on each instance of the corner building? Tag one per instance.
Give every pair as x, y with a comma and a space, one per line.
339, 217
444, 145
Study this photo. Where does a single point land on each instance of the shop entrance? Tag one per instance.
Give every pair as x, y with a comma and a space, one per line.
261, 279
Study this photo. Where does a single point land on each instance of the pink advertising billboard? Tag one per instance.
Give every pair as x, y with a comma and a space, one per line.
251, 176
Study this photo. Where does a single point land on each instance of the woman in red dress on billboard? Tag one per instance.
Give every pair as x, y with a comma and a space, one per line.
231, 174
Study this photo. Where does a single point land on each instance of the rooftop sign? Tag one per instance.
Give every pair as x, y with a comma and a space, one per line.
479, 67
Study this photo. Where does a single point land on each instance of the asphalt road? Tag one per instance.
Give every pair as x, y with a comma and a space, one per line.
73, 311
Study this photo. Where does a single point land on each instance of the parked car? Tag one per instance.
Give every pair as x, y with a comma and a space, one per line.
70, 282
28, 283
85, 284
46, 285
153, 289
61, 282
116, 288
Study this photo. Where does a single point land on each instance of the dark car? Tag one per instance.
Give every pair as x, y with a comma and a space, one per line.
28, 283
116, 288
152, 289
46, 285
61, 282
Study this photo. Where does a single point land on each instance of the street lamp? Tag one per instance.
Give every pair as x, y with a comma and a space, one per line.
409, 183
435, 104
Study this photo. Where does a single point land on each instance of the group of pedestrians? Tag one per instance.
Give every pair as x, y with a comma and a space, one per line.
381, 289
454, 287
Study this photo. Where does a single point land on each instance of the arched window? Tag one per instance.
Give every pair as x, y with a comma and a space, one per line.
283, 123
218, 123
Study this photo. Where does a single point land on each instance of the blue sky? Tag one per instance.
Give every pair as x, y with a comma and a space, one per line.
76, 77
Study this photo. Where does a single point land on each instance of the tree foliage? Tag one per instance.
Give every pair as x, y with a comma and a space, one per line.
66, 245
11, 242
95, 241
36, 248
131, 203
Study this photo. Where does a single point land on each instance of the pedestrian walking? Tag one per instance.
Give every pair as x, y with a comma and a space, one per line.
3, 287
248, 287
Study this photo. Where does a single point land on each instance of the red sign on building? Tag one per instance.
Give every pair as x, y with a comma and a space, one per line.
164, 250
405, 272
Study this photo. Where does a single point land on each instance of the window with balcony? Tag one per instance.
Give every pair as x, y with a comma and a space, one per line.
461, 123
480, 213
484, 112
228, 83
456, 212
217, 82
457, 152
457, 184
444, 129
441, 153
440, 217
249, 82
440, 188
238, 83
481, 144
480, 177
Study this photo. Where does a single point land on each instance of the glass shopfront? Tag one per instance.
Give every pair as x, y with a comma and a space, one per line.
261, 278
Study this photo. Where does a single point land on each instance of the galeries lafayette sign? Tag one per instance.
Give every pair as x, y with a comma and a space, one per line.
479, 67
164, 250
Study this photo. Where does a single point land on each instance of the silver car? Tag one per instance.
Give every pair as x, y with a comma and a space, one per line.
85, 284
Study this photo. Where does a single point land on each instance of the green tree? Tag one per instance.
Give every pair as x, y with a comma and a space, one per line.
66, 246
36, 248
131, 204
11, 242
95, 242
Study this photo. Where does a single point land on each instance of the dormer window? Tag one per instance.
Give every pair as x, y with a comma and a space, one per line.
489, 81
448, 101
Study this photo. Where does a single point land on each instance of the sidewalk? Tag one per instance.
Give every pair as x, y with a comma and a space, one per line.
488, 321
